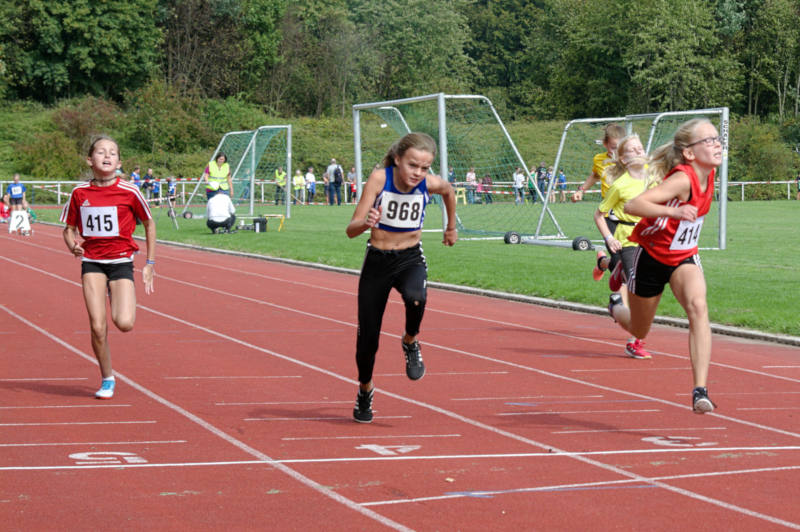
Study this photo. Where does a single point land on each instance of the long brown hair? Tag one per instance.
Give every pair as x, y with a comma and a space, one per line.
419, 141
669, 155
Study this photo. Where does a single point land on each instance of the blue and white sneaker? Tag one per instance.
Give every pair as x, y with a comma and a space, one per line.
701, 404
106, 390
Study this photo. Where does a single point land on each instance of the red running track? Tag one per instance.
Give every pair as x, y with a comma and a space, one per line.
235, 394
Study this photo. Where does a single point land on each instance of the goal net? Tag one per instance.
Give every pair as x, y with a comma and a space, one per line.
470, 135
253, 157
582, 139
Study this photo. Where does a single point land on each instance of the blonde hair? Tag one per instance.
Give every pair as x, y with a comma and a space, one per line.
419, 141
616, 168
669, 155
613, 131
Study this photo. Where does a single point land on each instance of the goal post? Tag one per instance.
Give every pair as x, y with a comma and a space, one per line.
470, 135
254, 155
581, 139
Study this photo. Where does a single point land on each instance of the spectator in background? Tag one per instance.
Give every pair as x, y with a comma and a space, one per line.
298, 184
519, 186
532, 185
147, 184
351, 185
487, 189
217, 176
220, 213
156, 184
311, 185
451, 176
280, 183
562, 186
326, 187
541, 178
15, 194
335, 180
171, 189
136, 178
471, 184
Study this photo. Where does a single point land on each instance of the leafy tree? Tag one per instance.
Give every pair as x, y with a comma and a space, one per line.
75, 47
220, 47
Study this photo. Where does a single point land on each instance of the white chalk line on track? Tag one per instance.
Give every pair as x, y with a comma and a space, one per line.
349, 503
70, 423
44, 407
46, 379
308, 482
88, 443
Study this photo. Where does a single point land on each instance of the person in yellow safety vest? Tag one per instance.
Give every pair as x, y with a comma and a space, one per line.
280, 183
217, 176
299, 185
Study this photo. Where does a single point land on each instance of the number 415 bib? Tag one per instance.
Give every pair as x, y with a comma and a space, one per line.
99, 221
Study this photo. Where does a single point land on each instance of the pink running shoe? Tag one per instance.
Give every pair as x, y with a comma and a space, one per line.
598, 271
636, 349
617, 278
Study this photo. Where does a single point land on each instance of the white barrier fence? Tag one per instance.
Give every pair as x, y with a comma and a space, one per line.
62, 189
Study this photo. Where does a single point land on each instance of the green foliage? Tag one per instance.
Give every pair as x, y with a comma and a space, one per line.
80, 119
160, 119
76, 47
758, 153
50, 155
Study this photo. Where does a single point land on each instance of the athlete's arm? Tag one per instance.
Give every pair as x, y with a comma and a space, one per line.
70, 234
437, 185
651, 203
148, 272
366, 216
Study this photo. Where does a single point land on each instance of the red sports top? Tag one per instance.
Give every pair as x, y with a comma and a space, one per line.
106, 218
669, 240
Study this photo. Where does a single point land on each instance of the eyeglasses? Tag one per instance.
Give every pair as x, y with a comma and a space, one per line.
708, 141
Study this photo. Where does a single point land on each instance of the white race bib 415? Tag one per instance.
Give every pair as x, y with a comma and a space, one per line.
99, 221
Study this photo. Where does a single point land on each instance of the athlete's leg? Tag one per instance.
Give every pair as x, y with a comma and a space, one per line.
374, 286
412, 285
123, 304
638, 316
689, 286
94, 294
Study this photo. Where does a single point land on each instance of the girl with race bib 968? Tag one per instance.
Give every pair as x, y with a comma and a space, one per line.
392, 206
672, 217
103, 212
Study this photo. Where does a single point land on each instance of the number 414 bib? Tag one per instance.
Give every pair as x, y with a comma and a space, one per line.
687, 234
99, 221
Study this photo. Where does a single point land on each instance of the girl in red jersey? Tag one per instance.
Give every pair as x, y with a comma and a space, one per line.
104, 212
672, 216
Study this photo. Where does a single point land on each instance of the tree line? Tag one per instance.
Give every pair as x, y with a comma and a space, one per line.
541, 59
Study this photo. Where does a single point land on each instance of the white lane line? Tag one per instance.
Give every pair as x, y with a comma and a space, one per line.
224, 377
447, 373
332, 418
562, 412
584, 485
453, 415
286, 403
296, 475
49, 424
38, 407
615, 370
519, 397
771, 408
90, 443
47, 379
372, 437
406, 458
789, 367
644, 429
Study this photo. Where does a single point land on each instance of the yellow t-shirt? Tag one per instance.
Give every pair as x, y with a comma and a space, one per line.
624, 189
600, 162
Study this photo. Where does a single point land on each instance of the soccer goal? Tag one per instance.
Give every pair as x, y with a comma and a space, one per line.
254, 156
470, 135
582, 139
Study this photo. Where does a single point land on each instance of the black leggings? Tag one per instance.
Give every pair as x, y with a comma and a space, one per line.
404, 270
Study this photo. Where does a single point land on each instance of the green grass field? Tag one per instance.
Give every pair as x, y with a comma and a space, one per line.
751, 284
